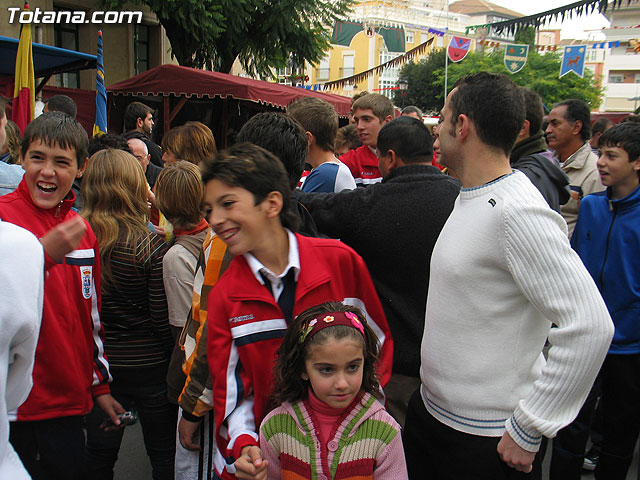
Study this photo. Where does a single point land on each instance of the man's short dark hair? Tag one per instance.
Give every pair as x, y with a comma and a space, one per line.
59, 129
411, 109
534, 110
62, 103
632, 117
495, 106
601, 125
318, 117
577, 110
282, 136
255, 169
625, 136
108, 140
408, 137
133, 112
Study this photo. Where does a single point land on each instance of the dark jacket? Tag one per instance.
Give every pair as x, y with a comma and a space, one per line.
394, 226
547, 177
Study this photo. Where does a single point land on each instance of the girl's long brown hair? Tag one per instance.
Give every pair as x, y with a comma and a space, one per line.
115, 191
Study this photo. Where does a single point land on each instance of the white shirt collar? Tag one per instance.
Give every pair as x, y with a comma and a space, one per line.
256, 265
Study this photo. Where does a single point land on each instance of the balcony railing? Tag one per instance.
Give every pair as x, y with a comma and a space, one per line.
346, 72
322, 74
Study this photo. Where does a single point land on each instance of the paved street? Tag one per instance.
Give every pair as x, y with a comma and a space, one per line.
133, 463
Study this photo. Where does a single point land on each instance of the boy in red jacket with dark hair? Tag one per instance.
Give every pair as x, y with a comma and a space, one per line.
275, 275
70, 366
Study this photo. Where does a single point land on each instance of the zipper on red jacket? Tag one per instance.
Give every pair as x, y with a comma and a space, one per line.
59, 207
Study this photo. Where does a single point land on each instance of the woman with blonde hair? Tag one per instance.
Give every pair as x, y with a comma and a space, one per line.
192, 142
138, 340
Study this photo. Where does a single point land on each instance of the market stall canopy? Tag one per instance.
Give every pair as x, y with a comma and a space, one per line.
47, 60
188, 82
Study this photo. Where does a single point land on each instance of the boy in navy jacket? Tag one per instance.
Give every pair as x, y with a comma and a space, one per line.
607, 238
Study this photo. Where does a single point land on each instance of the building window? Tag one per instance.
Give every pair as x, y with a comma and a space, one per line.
66, 36
616, 78
389, 76
140, 48
322, 72
409, 38
636, 78
347, 66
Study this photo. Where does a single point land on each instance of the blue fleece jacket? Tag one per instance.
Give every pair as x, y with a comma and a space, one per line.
607, 239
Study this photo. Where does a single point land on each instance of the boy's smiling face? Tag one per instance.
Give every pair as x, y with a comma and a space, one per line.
236, 219
49, 172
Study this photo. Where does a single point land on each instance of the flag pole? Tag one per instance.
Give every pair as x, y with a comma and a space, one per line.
24, 89
446, 54
100, 125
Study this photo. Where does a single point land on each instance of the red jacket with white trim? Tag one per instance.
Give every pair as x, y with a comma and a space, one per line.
70, 366
363, 164
246, 327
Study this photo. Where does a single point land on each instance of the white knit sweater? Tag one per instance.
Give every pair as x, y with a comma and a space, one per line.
21, 294
502, 271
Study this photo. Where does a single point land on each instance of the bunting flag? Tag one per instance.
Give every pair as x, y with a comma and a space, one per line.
402, 59
100, 127
515, 57
606, 44
573, 60
24, 89
458, 48
560, 13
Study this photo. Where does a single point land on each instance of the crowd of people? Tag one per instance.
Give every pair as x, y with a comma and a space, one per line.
416, 304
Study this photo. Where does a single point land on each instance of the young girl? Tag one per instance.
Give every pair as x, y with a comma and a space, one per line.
138, 340
330, 424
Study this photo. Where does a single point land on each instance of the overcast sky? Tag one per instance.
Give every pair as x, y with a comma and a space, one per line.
574, 28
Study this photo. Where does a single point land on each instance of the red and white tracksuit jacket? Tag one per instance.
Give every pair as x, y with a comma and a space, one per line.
70, 366
363, 164
246, 327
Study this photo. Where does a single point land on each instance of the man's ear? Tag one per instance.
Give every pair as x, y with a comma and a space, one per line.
273, 204
525, 129
387, 119
577, 126
310, 138
394, 160
463, 126
81, 170
139, 122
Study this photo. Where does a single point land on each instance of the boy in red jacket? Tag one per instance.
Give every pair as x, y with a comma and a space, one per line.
274, 276
70, 366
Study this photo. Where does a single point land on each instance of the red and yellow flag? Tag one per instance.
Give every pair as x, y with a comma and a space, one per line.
24, 83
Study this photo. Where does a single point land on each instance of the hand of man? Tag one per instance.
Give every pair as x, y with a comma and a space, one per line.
188, 434
112, 408
250, 465
63, 238
514, 455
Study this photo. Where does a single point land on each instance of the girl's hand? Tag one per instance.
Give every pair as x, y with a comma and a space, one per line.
250, 465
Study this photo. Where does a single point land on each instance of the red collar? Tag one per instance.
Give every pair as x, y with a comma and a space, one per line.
200, 227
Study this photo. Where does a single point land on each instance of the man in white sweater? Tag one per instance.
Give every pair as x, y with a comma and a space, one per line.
502, 271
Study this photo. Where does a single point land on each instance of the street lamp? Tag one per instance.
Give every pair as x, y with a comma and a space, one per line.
403, 85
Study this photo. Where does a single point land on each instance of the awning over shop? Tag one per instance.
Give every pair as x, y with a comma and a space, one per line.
47, 60
188, 82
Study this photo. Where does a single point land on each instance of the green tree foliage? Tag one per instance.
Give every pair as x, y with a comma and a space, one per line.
541, 74
525, 36
262, 34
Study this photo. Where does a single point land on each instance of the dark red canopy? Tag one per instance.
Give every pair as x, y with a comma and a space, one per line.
185, 81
